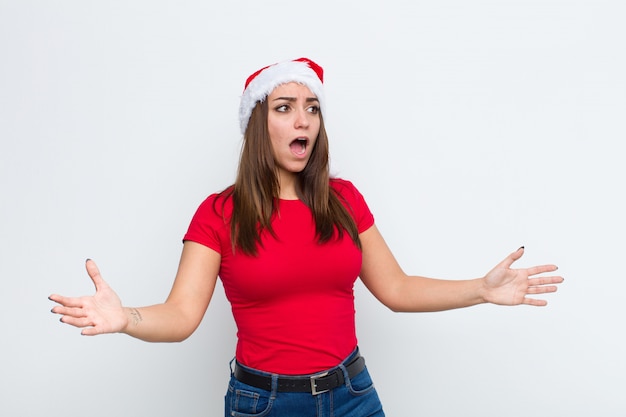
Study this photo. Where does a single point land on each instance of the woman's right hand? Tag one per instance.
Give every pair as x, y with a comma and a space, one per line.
101, 313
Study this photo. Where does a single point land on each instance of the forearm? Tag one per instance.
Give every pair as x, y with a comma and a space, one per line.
158, 323
420, 294
179, 316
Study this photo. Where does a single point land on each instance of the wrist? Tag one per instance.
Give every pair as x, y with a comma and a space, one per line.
133, 319
483, 290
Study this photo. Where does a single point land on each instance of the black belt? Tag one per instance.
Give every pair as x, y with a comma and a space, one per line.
314, 384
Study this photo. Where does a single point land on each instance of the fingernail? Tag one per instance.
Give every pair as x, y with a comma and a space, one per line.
87, 260
521, 247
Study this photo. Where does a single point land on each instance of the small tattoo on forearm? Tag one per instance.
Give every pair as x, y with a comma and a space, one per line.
136, 315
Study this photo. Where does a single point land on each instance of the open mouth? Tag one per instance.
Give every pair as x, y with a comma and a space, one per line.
298, 146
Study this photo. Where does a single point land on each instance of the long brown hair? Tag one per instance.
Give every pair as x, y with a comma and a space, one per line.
256, 189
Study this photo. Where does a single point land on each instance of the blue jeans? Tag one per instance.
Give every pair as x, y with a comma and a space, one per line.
356, 398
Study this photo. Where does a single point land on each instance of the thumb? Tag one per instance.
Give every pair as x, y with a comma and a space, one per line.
508, 261
94, 274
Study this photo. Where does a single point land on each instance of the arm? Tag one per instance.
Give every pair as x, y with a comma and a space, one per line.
172, 321
382, 275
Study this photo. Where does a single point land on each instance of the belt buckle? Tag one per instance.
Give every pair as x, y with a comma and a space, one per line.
313, 378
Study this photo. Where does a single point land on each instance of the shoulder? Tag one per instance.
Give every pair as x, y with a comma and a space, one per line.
217, 206
345, 189
341, 186
209, 224
347, 193
354, 201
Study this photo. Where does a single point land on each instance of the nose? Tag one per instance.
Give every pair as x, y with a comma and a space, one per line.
302, 119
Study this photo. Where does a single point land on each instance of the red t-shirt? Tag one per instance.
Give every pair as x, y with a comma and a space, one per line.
293, 303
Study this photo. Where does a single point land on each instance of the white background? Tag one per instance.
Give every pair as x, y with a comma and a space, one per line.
471, 127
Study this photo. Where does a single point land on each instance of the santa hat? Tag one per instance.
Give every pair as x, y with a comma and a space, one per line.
260, 84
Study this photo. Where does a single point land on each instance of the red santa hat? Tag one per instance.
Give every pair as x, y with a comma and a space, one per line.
260, 84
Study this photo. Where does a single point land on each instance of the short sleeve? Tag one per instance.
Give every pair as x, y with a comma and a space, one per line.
208, 225
355, 203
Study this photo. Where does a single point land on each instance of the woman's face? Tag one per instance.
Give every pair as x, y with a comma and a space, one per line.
293, 121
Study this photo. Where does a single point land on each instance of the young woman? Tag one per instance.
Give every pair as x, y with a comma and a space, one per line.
288, 243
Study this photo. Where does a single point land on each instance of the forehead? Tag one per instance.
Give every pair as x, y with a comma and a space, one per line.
291, 89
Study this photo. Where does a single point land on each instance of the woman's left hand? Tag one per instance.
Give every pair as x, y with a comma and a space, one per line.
506, 286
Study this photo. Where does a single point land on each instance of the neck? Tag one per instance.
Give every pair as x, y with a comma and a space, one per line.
288, 186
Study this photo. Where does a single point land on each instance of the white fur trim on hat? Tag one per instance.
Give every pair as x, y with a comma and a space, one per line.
271, 77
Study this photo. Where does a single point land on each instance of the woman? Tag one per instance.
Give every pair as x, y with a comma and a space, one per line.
288, 243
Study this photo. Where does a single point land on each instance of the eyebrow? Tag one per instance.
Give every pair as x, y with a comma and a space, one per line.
308, 100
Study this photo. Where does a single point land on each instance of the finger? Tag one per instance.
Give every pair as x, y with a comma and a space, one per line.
541, 290
508, 261
94, 274
66, 301
540, 269
535, 302
67, 311
90, 331
79, 322
545, 280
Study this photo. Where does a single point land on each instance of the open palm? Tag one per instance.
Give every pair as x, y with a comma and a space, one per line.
96, 314
507, 286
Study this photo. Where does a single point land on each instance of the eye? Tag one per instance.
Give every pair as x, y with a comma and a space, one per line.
314, 109
282, 108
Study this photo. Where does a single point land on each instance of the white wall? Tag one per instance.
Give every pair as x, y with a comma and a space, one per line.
471, 127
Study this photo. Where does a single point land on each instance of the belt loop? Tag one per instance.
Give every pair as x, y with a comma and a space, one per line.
346, 375
349, 360
274, 392
230, 365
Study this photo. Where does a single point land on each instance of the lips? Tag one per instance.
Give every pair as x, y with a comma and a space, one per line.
298, 146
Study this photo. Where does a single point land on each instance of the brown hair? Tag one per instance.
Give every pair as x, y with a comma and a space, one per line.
256, 189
